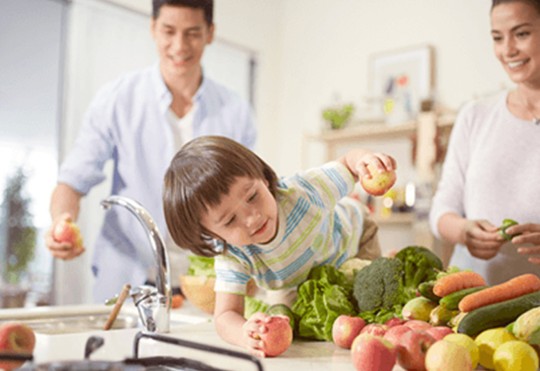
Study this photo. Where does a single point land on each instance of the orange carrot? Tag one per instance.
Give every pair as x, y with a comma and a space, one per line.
511, 289
457, 281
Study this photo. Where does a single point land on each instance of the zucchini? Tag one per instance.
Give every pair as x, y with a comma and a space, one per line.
426, 290
498, 314
451, 301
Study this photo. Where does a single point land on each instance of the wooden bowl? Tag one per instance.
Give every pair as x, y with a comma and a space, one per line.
199, 291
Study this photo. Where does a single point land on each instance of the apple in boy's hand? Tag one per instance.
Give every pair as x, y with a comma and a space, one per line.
413, 348
373, 353
68, 232
379, 182
345, 329
278, 336
18, 338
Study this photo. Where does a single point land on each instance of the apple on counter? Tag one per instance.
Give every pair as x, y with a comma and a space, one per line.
373, 353
16, 338
379, 182
345, 329
413, 348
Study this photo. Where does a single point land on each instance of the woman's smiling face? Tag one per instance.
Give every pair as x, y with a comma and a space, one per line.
246, 215
515, 29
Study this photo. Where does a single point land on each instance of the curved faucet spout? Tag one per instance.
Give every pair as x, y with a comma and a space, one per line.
160, 320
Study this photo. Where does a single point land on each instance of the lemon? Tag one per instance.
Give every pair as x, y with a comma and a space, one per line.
488, 341
468, 343
515, 355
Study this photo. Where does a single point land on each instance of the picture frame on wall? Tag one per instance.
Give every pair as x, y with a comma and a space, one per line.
400, 80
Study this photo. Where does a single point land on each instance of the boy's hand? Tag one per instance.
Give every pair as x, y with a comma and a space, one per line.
252, 329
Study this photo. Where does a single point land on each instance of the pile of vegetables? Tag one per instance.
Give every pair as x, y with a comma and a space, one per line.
382, 288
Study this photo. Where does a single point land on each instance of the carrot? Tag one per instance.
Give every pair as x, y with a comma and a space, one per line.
457, 281
511, 289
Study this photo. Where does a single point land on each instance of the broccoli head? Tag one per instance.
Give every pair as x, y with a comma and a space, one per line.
379, 285
420, 265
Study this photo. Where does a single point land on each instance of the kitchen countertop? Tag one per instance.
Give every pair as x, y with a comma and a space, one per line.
302, 355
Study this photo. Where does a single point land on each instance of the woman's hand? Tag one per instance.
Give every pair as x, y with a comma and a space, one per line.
252, 330
527, 234
481, 238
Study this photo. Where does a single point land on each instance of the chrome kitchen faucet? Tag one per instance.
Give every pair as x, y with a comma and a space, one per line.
153, 303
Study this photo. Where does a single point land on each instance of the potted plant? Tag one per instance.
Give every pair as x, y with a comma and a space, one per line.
338, 117
17, 239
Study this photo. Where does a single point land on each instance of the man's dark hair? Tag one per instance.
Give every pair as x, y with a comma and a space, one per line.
206, 5
534, 3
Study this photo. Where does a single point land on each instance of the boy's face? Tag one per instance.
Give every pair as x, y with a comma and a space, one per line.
246, 215
181, 34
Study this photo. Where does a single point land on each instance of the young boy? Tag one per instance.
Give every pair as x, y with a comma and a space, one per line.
220, 199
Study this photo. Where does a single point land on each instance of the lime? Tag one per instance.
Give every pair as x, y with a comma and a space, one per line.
282, 310
502, 229
488, 341
515, 355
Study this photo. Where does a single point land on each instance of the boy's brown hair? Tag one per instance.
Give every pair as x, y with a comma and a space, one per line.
197, 178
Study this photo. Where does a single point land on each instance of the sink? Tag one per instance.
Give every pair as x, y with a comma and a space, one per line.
55, 320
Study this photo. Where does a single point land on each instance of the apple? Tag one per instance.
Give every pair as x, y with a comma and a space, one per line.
445, 356
413, 348
345, 329
68, 232
374, 329
278, 336
417, 324
439, 332
394, 321
394, 334
17, 338
373, 353
379, 182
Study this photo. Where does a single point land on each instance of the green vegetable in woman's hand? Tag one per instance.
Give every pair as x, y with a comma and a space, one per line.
506, 224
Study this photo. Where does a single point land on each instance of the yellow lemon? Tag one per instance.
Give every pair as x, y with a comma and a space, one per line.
467, 342
488, 341
515, 355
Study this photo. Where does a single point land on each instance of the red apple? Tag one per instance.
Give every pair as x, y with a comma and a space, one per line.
379, 182
439, 332
394, 334
418, 325
345, 329
68, 232
413, 348
18, 338
373, 353
278, 336
394, 321
374, 329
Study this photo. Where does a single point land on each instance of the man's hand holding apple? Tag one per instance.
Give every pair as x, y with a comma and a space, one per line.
64, 239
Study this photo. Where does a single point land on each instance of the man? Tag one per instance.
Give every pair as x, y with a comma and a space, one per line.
139, 121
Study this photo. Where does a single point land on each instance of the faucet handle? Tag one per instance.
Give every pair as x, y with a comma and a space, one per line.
152, 307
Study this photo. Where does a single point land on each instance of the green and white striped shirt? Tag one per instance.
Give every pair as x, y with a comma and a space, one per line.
318, 224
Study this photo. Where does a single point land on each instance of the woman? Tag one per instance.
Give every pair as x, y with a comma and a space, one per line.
492, 169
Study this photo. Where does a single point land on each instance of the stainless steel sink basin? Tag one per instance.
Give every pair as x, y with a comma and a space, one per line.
86, 318
70, 319
79, 323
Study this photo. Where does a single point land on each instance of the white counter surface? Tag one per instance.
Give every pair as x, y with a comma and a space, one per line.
302, 355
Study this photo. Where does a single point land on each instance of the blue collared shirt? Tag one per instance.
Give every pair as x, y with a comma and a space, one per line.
127, 123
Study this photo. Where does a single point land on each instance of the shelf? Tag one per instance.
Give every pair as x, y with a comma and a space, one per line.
365, 131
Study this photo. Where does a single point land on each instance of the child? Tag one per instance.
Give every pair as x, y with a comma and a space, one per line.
220, 199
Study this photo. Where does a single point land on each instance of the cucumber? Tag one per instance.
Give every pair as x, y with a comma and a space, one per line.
497, 315
451, 301
426, 290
